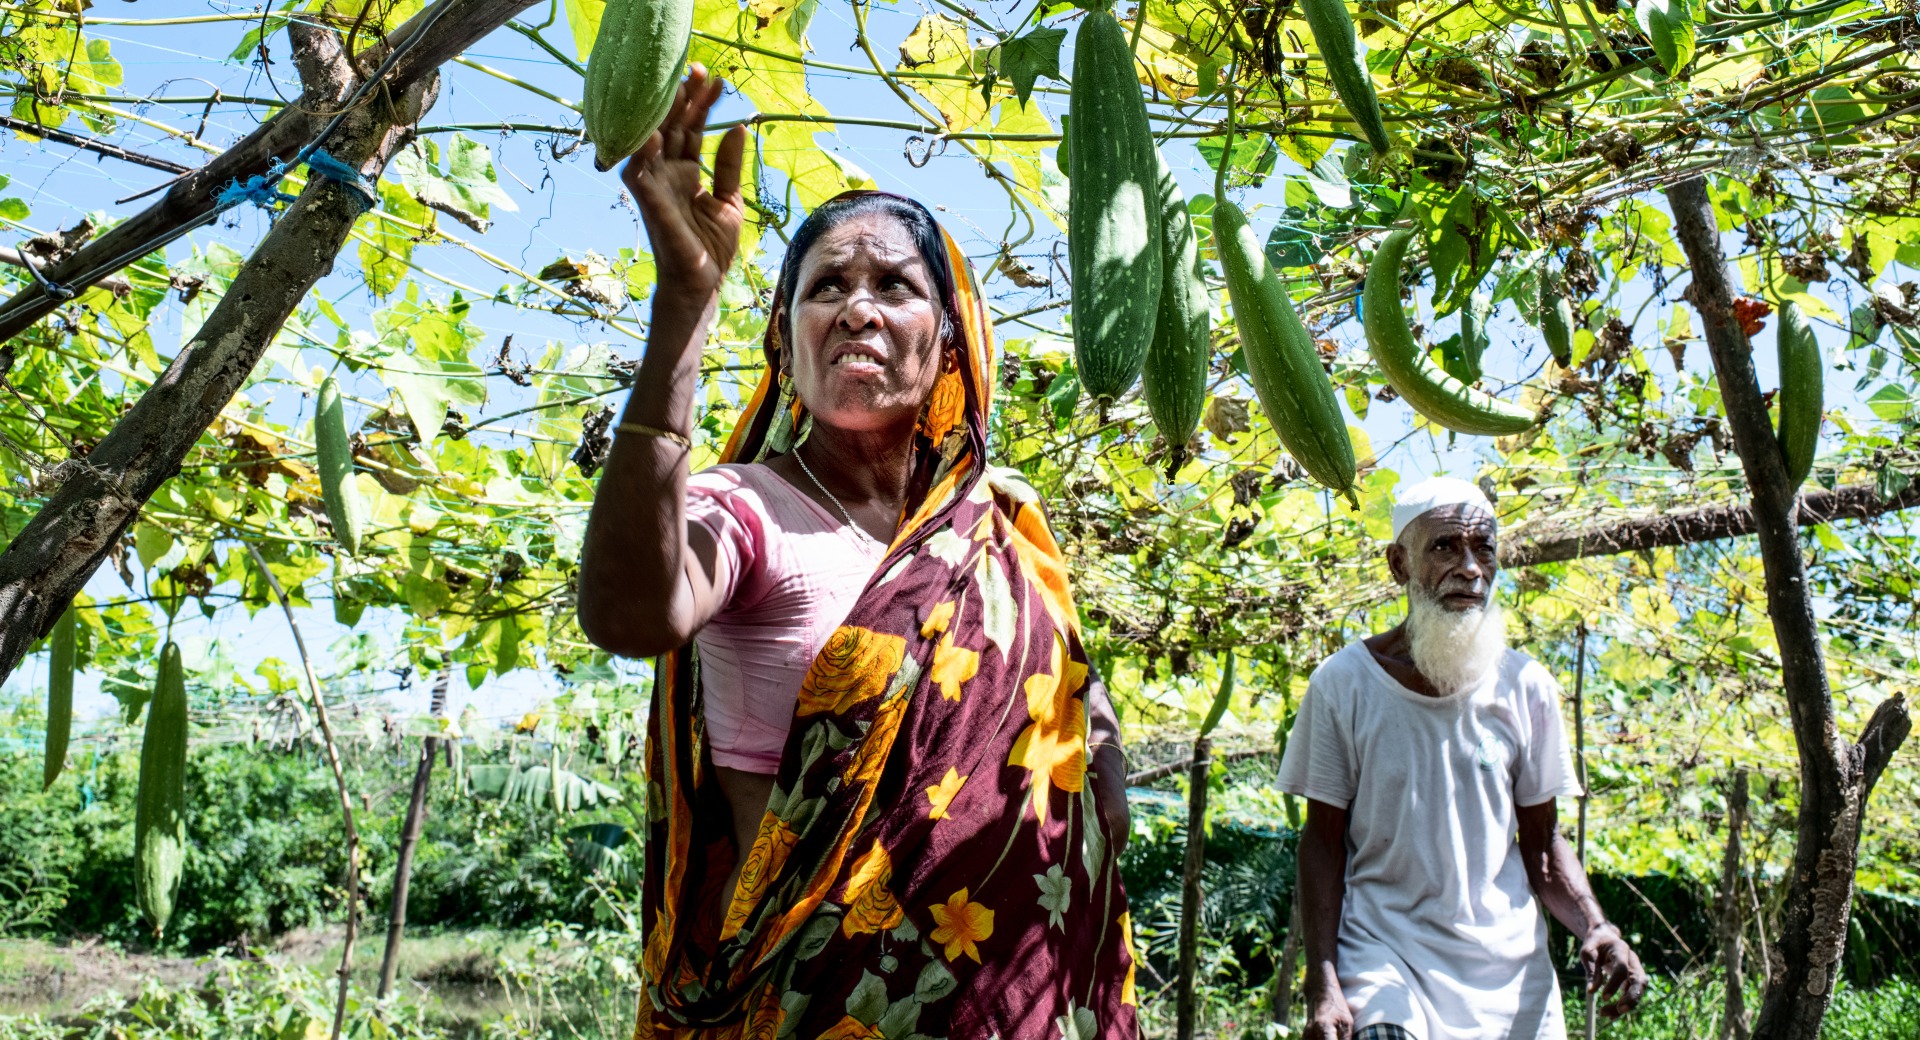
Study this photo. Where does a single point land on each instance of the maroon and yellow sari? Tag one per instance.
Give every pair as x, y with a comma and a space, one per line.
931, 864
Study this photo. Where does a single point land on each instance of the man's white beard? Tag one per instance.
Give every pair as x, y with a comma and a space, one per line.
1454, 649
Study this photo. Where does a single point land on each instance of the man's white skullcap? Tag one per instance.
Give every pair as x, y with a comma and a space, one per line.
1435, 493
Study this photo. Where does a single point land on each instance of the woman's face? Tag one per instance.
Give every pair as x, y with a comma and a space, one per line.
866, 319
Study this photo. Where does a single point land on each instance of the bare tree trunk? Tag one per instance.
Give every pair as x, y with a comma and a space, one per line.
1190, 894
410, 839
1836, 776
100, 496
1733, 1021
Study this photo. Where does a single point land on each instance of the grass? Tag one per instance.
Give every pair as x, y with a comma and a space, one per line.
464, 985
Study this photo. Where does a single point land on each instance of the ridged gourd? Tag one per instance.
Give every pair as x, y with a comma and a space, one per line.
1282, 362
1113, 217
1412, 374
160, 805
1803, 377
1174, 380
639, 56
1339, 45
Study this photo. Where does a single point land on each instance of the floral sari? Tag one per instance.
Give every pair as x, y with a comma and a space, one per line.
931, 864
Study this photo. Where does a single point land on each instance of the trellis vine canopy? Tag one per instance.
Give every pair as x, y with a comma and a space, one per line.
1539, 150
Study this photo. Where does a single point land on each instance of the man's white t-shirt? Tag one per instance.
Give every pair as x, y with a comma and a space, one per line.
1439, 932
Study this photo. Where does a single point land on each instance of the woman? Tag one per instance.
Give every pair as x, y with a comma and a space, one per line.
872, 810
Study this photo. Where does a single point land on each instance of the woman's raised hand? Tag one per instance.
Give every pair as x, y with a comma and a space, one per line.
694, 232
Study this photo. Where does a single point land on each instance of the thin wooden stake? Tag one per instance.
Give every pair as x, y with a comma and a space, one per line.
1580, 763
1733, 1020
410, 840
339, 783
1190, 884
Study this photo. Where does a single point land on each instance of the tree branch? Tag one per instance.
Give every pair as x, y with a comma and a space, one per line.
1885, 731
1688, 527
92, 145
99, 496
189, 201
113, 283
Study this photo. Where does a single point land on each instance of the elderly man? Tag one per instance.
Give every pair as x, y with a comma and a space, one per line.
1423, 752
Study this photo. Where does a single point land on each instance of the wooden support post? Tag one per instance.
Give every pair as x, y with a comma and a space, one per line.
1190, 894
410, 839
1580, 765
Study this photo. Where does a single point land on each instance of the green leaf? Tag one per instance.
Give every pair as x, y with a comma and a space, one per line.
1891, 402
1669, 27
14, 209
1890, 481
1290, 244
798, 21
386, 253
583, 19
1329, 183
1063, 394
466, 190
1026, 58
1253, 157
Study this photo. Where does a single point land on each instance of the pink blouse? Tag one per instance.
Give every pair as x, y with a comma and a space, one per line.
788, 573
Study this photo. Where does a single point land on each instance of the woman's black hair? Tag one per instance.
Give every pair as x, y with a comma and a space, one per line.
836, 211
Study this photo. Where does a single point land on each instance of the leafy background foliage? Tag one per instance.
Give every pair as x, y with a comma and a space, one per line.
490, 309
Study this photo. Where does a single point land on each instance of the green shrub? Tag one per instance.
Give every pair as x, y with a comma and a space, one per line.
267, 851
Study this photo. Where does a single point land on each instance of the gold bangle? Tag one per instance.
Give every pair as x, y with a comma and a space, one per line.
654, 431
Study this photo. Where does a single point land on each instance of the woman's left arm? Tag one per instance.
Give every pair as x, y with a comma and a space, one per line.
1107, 761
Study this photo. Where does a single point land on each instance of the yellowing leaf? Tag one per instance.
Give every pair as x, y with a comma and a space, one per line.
939, 45
583, 19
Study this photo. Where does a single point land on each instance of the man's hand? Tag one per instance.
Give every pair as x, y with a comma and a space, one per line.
1328, 1016
1613, 970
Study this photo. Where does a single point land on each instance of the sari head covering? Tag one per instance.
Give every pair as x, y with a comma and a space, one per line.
931, 864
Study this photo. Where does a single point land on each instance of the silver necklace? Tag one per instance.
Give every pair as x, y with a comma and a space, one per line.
831, 497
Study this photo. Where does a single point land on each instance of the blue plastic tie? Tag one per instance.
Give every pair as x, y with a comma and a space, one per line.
333, 169
258, 189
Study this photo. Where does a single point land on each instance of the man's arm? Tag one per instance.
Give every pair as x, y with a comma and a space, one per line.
1561, 883
1321, 889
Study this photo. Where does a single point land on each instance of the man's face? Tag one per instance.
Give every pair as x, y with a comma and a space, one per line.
1450, 555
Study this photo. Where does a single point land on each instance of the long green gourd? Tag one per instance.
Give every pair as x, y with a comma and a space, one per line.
333, 449
59, 697
1339, 46
1282, 361
1412, 374
1174, 380
1113, 216
1803, 377
639, 55
1556, 324
160, 806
